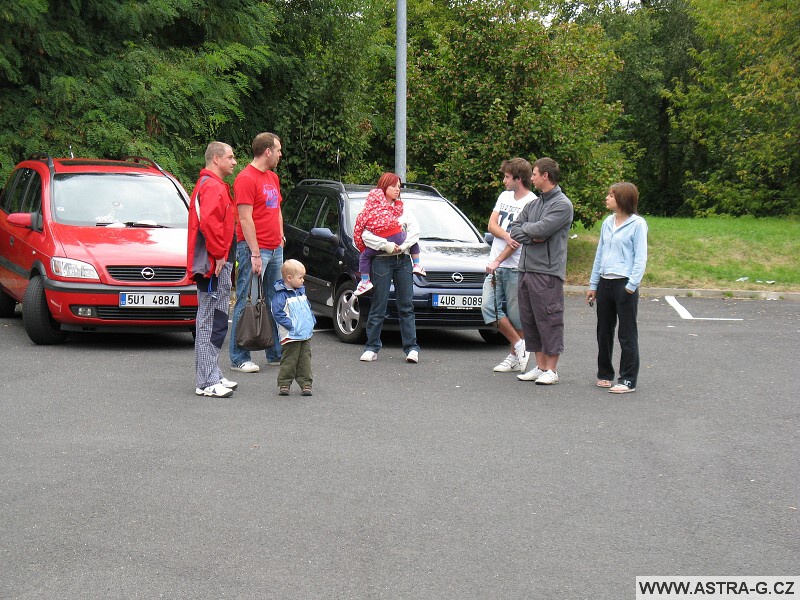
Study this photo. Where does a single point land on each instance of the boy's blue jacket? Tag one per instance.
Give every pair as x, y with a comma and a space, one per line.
292, 313
621, 252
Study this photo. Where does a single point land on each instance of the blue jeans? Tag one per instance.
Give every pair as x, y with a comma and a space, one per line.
502, 295
271, 261
386, 269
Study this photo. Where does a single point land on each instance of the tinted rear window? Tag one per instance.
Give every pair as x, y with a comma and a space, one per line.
437, 219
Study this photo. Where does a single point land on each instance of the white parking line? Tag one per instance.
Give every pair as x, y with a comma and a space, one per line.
685, 314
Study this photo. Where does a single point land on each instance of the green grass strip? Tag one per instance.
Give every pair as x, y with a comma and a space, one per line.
708, 253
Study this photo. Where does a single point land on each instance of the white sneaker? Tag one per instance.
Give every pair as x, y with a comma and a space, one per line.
419, 270
531, 375
216, 391
510, 364
231, 385
412, 357
246, 367
523, 361
547, 378
369, 356
364, 285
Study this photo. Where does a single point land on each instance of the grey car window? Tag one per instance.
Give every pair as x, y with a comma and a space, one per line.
437, 219
329, 215
13, 200
308, 213
32, 202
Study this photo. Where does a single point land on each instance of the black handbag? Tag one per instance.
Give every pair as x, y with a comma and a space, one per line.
254, 331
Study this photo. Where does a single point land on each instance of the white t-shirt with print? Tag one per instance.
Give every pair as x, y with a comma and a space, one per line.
508, 208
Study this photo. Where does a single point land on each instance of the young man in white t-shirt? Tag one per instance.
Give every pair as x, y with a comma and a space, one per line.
500, 286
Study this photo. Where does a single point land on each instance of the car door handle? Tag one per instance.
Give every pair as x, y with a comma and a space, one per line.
305, 250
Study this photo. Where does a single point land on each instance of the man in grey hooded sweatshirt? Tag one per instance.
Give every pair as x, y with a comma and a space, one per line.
542, 227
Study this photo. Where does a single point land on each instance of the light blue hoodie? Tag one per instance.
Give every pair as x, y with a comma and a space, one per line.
622, 252
292, 313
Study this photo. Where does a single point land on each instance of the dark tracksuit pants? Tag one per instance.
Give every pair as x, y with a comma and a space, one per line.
614, 304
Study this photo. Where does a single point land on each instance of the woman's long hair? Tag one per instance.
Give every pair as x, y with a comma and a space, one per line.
387, 180
627, 196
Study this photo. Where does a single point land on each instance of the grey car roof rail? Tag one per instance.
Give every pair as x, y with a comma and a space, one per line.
422, 186
337, 184
45, 157
143, 160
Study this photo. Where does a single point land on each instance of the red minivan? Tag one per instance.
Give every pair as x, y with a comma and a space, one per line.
94, 245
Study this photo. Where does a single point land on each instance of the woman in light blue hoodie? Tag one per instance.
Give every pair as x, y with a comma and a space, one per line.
617, 272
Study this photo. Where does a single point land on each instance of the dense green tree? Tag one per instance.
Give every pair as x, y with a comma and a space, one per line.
163, 77
739, 116
654, 42
653, 39
494, 82
321, 98
694, 100
157, 77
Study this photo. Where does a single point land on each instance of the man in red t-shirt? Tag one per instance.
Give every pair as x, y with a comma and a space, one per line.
259, 235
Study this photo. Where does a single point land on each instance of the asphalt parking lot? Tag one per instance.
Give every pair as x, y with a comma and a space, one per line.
428, 481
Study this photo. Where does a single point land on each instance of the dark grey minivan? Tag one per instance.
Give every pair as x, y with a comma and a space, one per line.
318, 223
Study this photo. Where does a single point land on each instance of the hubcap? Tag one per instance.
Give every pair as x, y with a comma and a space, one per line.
347, 312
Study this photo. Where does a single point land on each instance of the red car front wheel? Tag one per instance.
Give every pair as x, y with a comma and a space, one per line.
39, 323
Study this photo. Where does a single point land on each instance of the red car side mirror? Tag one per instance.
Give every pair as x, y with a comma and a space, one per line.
21, 220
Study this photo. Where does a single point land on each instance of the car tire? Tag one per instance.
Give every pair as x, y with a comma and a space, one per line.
7, 305
493, 337
348, 321
38, 321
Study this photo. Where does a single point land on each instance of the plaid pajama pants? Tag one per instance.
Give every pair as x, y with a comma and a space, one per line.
212, 327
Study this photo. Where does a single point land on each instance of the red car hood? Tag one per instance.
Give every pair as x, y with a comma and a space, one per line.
103, 246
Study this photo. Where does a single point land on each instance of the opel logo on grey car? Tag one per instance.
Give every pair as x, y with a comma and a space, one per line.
148, 273
457, 277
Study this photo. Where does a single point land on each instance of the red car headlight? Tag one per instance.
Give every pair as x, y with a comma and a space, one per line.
75, 269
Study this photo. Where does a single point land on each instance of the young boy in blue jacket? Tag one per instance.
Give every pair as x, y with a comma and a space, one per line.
295, 323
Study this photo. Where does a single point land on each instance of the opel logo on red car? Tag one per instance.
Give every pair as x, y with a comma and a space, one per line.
148, 273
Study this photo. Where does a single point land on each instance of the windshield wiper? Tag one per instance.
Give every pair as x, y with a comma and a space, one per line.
439, 239
145, 223
133, 224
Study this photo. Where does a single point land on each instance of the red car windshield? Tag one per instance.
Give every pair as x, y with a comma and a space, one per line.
117, 200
